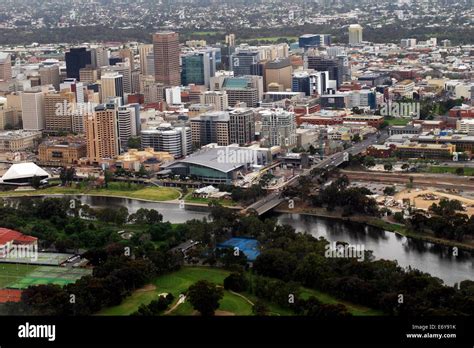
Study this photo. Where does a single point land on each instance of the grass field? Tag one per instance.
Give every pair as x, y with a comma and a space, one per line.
225, 202
178, 282
115, 189
468, 171
392, 121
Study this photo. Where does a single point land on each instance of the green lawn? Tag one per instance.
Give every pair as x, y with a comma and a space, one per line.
115, 189
452, 170
178, 282
225, 202
393, 121
12, 273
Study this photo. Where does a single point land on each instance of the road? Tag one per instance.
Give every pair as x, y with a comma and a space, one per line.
273, 199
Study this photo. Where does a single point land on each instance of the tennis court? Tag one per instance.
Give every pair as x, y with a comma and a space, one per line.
50, 275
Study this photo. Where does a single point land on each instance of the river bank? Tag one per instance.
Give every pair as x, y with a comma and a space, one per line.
378, 223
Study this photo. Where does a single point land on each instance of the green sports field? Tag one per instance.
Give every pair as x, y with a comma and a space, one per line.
15, 276
13, 273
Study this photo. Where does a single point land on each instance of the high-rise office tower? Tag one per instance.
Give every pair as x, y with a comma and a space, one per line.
245, 62
310, 82
127, 55
124, 70
150, 64
111, 86
175, 140
211, 127
76, 87
244, 89
220, 100
128, 117
76, 59
32, 104
5, 66
101, 133
279, 128
278, 71
153, 92
355, 34
99, 57
143, 51
242, 126
314, 40
58, 110
196, 68
173, 95
334, 66
88, 75
166, 57
49, 75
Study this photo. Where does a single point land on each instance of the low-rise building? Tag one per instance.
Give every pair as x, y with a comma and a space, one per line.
61, 153
19, 140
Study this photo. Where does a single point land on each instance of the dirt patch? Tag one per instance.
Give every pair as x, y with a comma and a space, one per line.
416, 197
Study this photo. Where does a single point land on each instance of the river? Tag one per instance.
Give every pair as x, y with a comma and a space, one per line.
427, 257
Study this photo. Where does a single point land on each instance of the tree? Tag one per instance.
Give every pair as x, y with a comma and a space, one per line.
389, 191
134, 143
259, 308
388, 167
460, 171
36, 182
236, 282
204, 297
369, 161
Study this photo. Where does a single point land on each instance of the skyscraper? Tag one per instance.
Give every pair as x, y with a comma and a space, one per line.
314, 40
278, 71
58, 108
220, 100
49, 75
175, 140
128, 117
242, 126
279, 128
355, 34
334, 66
196, 69
166, 55
101, 132
32, 103
211, 127
76, 59
5, 67
245, 62
111, 86
143, 51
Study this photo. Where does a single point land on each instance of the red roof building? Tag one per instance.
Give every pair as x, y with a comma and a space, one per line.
14, 237
10, 295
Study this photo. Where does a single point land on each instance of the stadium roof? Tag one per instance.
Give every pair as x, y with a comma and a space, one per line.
223, 159
23, 171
